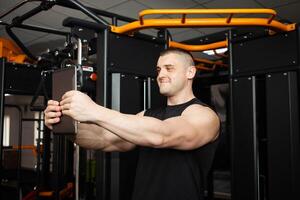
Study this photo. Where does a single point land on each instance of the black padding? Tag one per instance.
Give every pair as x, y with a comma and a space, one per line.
71, 22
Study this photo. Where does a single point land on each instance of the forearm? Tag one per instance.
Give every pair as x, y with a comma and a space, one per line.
115, 143
140, 130
92, 136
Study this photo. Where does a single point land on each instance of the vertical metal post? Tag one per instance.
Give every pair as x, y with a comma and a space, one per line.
2, 92
55, 164
79, 62
115, 21
101, 99
115, 156
145, 94
19, 172
148, 93
79, 51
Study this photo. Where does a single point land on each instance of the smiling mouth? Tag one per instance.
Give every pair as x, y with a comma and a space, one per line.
164, 81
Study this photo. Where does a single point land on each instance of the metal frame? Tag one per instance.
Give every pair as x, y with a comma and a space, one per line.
46, 5
283, 135
265, 116
244, 139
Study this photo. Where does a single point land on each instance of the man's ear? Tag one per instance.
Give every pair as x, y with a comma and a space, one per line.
191, 72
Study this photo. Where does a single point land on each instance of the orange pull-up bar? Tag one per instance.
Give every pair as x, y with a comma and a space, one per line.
202, 47
201, 66
229, 21
185, 12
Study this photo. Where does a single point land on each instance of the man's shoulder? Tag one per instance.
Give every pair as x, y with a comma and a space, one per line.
197, 108
199, 111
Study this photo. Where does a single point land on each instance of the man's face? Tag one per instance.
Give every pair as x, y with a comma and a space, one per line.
171, 74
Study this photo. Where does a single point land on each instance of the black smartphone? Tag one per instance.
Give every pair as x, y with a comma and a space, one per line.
64, 80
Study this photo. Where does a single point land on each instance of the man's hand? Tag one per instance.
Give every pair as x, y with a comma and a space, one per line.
52, 113
79, 106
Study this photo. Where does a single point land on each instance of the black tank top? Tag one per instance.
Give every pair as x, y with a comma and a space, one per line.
172, 174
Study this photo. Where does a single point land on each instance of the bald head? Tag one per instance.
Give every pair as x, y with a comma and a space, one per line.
184, 56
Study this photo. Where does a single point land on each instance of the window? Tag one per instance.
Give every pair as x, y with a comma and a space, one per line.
6, 130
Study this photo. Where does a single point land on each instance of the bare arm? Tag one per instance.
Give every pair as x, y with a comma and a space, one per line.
197, 126
89, 135
93, 136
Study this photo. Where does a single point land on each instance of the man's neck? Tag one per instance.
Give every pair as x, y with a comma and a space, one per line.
180, 98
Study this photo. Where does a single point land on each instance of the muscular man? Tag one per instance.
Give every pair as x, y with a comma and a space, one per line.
176, 143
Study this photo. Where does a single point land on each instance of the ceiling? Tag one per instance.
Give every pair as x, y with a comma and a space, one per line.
286, 10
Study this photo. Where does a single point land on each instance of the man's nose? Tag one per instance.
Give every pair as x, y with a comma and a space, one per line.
161, 73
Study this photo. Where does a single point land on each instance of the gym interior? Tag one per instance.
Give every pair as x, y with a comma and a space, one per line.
247, 59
